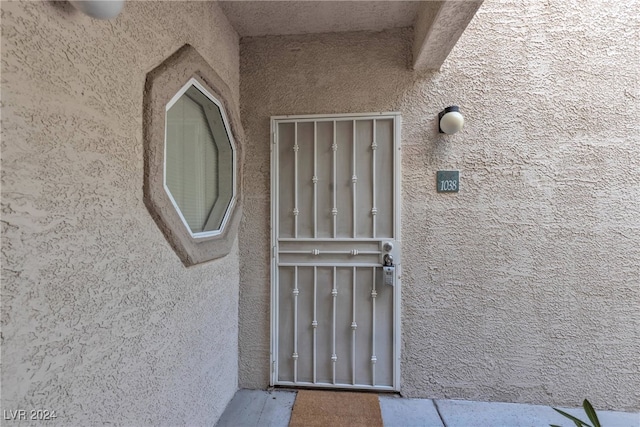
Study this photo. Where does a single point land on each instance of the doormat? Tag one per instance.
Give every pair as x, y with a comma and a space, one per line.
330, 408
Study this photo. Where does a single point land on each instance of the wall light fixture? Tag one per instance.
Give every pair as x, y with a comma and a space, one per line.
450, 120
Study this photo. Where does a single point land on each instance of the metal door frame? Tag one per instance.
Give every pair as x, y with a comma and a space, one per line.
397, 200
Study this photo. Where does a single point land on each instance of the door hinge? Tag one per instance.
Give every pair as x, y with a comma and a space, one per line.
273, 252
273, 367
273, 137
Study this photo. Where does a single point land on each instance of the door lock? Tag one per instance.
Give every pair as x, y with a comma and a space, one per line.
388, 270
388, 260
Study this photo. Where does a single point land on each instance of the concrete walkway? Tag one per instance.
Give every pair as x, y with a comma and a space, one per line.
273, 408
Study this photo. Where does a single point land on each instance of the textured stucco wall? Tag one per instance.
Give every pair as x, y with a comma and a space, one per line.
101, 322
525, 286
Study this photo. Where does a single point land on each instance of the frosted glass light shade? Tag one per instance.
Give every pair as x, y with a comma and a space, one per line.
99, 9
451, 121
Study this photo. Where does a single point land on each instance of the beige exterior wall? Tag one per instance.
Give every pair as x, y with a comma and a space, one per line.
523, 287
101, 322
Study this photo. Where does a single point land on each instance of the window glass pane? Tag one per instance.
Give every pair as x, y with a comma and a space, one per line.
225, 170
191, 162
198, 150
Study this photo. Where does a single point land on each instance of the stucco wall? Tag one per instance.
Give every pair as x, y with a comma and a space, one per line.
101, 322
523, 287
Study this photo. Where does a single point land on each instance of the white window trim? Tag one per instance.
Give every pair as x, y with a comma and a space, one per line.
230, 206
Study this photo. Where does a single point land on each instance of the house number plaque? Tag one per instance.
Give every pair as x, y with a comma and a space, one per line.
448, 181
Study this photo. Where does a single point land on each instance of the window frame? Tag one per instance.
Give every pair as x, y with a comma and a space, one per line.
229, 208
162, 83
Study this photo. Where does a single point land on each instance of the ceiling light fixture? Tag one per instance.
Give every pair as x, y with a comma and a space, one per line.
99, 9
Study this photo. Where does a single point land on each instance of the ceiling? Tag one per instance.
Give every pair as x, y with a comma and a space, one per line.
261, 18
437, 24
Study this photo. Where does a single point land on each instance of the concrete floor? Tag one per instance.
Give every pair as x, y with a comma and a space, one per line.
273, 408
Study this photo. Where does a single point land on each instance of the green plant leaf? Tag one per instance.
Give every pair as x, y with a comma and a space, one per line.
591, 413
576, 421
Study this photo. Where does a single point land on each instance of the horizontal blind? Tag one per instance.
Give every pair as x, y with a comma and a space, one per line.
191, 162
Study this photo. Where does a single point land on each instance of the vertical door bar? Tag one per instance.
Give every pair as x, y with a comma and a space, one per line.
374, 359
354, 326
354, 180
397, 219
334, 211
315, 180
374, 147
296, 291
275, 191
334, 357
314, 323
295, 180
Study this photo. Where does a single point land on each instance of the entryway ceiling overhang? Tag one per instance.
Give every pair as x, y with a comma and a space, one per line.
437, 24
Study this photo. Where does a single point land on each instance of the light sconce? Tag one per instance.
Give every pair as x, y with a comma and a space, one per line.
99, 9
450, 120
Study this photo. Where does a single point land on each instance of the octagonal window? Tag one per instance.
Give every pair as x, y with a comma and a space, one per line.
199, 168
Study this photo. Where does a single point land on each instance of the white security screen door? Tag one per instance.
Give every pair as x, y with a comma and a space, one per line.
335, 311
